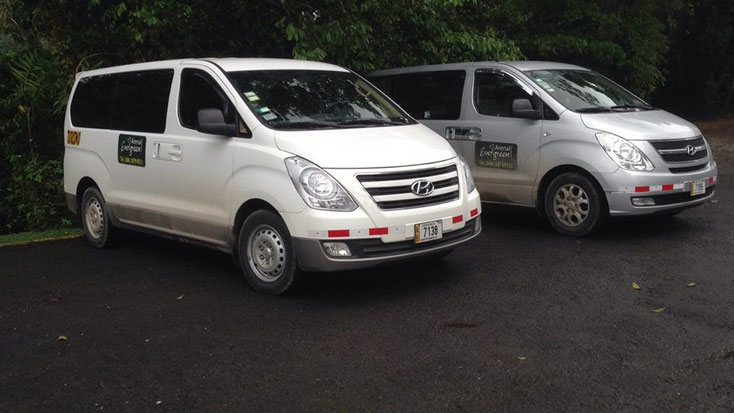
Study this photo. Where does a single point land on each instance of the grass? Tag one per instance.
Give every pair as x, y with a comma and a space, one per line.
49, 235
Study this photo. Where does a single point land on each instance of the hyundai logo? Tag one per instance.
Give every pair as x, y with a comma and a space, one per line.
691, 150
422, 187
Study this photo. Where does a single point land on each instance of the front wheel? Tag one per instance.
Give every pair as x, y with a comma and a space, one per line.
573, 204
266, 253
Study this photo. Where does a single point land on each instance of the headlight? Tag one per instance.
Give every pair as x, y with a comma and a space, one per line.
317, 188
624, 153
467, 175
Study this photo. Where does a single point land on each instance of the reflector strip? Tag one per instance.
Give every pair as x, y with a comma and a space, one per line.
668, 187
711, 180
337, 233
642, 189
457, 219
474, 212
378, 231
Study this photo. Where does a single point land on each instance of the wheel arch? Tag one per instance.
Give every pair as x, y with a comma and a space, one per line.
83, 184
553, 173
244, 211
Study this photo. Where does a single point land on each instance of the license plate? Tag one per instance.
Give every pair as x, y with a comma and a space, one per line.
427, 231
698, 187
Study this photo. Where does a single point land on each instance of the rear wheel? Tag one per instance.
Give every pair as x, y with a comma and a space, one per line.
573, 204
266, 253
95, 220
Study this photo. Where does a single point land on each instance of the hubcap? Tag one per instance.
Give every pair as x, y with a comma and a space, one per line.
266, 253
571, 205
95, 218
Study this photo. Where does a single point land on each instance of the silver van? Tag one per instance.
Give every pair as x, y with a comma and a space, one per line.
558, 137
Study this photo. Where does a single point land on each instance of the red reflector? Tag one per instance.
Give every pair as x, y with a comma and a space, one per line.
474, 212
642, 189
711, 180
338, 233
667, 187
457, 219
378, 231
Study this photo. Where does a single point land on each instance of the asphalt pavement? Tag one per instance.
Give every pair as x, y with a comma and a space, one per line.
520, 319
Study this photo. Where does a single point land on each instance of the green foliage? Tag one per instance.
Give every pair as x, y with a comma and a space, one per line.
378, 34
33, 196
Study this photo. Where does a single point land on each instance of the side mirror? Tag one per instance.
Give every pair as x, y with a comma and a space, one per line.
211, 121
522, 108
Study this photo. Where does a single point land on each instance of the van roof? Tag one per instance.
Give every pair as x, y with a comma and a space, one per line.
228, 64
521, 65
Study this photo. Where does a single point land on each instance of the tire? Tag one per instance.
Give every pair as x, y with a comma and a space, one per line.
94, 216
266, 253
574, 205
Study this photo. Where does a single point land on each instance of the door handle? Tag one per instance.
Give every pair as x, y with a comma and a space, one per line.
463, 134
175, 150
473, 134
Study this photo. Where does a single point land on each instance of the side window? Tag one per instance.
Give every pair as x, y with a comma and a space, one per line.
141, 101
431, 95
92, 102
494, 92
200, 91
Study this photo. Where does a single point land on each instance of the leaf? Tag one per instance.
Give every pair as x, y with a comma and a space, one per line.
180, 297
522, 358
691, 285
61, 338
658, 310
635, 286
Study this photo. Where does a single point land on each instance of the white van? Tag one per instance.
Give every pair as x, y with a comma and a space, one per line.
558, 137
285, 164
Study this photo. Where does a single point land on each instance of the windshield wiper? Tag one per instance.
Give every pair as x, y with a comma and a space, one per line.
371, 122
595, 109
304, 125
630, 107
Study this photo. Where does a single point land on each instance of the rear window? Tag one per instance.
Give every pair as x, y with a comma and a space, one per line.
92, 102
426, 95
131, 101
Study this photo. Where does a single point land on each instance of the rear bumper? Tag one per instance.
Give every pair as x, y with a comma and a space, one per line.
370, 252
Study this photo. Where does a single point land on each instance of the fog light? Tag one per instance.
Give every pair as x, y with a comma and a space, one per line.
477, 225
337, 249
643, 201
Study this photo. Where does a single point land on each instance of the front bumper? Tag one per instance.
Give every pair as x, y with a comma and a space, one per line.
368, 252
669, 191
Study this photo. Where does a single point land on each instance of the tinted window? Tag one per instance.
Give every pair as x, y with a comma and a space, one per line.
200, 91
92, 101
494, 92
141, 101
428, 95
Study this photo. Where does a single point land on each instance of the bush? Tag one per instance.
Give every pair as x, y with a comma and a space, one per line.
32, 198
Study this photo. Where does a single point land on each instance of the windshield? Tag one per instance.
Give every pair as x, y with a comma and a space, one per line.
586, 91
313, 99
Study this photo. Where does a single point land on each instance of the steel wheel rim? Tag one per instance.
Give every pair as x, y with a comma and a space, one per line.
571, 205
94, 218
266, 253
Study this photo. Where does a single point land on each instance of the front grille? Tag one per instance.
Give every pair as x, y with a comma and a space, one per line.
391, 190
677, 150
371, 248
687, 169
680, 197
